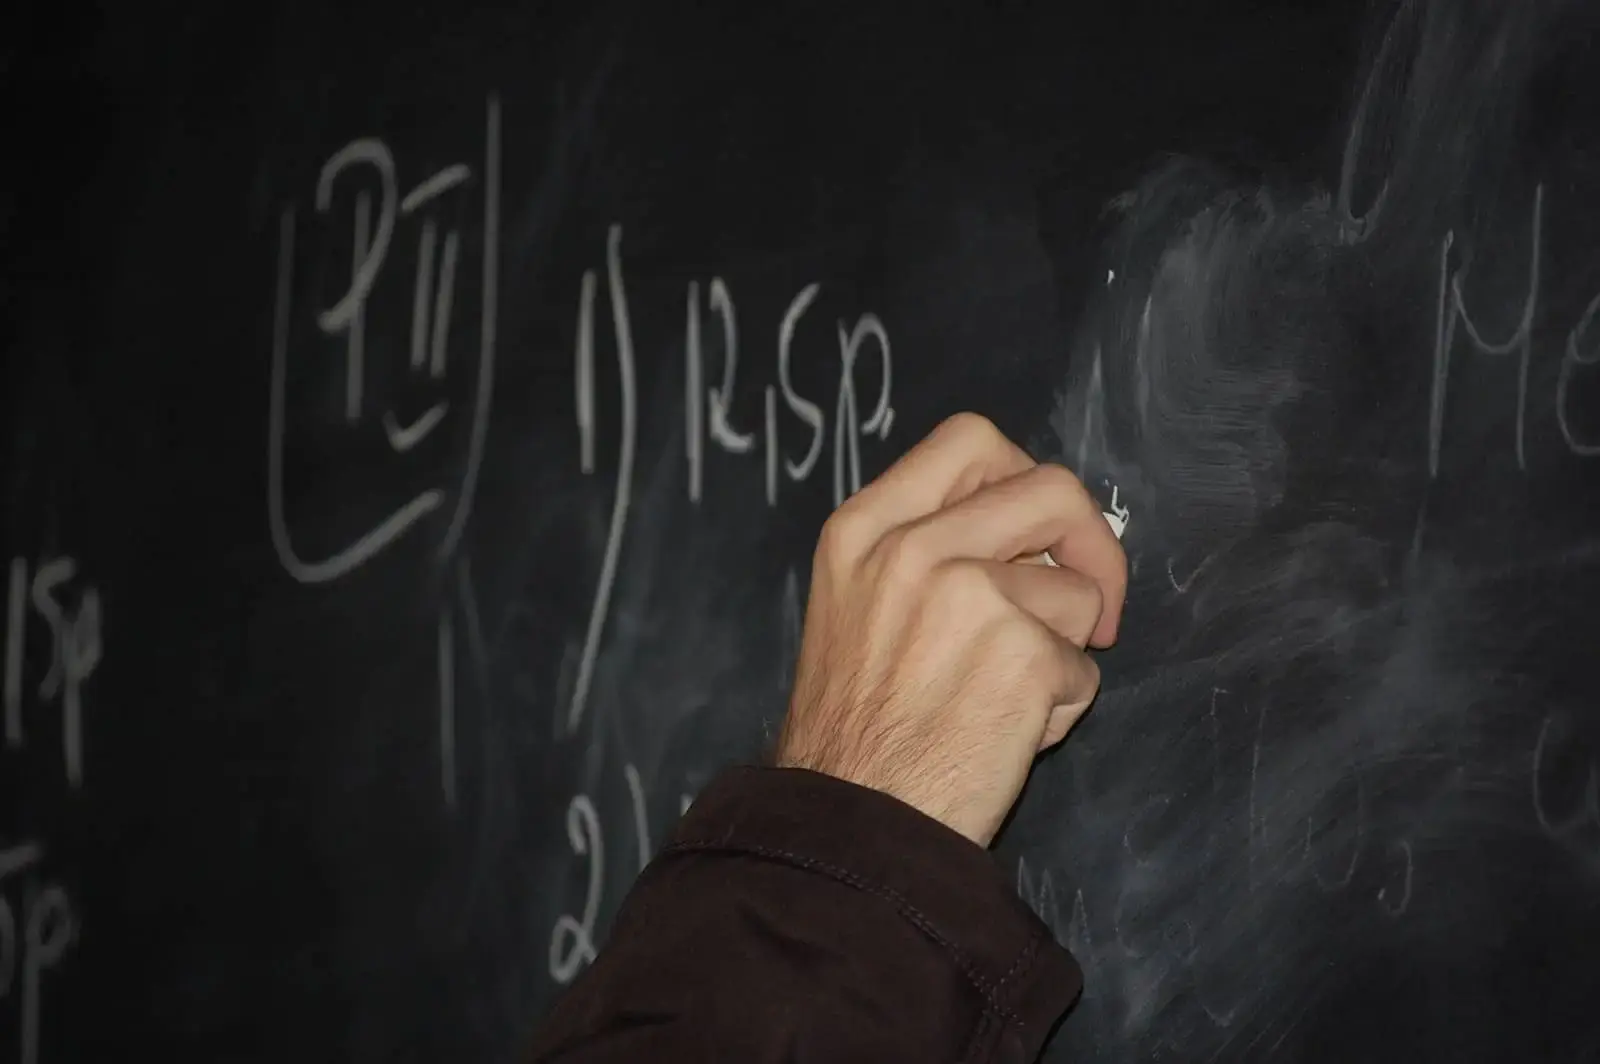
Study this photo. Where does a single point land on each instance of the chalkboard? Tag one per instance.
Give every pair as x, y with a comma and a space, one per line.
419, 418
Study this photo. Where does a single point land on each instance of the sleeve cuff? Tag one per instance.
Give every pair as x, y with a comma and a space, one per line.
939, 880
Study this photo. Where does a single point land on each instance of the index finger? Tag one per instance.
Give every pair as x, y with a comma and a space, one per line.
964, 453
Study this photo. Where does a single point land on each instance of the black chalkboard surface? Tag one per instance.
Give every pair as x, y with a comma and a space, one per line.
419, 417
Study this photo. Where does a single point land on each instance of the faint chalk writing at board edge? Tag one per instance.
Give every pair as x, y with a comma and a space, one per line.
74, 632
28, 951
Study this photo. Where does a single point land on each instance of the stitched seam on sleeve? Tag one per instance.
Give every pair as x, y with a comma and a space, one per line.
1022, 963
989, 991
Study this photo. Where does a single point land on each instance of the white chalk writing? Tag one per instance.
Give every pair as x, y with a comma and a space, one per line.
1358, 831
433, 288
1355, 228
1398, 906
1039, 894
572, 939
48, 929
641, 820
1573, 357
694, 450
71, 614
848, 428
1182, 586
721, 399
1585, 814
623, 337
1451, 311
771, 409
1093, 407
583, 371
1255, 826
804, 409
432, 301
707, 411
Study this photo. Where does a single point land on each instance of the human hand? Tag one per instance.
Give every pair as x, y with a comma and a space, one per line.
937, 662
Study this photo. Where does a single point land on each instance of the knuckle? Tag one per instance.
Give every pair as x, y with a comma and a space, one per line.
1050, 661
970, 428
1080, 677
1045, 650
966, 588
1057, 477
907, 553
1085, 679
842, 537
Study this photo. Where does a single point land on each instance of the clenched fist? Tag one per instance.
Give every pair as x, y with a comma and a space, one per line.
940, 654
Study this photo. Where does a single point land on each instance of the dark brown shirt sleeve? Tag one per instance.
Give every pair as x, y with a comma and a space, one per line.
797, 918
